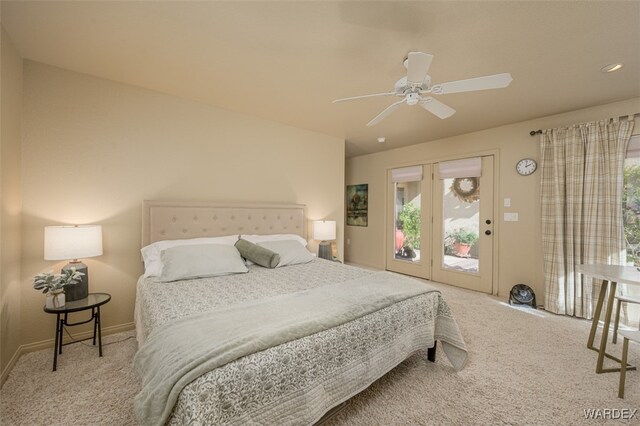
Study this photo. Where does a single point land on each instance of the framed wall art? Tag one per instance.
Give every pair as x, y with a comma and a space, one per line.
358, 205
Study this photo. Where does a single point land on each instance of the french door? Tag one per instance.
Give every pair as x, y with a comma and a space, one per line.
440, 222
463, 229
409, 194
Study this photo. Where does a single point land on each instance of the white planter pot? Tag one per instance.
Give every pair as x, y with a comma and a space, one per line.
55, 300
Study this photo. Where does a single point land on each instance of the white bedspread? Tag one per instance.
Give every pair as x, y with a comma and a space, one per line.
295, 382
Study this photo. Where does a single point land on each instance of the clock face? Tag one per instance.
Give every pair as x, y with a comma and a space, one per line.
526, 166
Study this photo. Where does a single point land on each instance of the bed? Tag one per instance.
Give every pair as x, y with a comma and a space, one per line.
295, 381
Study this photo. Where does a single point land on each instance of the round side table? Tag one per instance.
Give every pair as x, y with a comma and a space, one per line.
93, 302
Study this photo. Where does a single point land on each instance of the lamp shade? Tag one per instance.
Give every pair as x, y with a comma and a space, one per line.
72, 242
324, 230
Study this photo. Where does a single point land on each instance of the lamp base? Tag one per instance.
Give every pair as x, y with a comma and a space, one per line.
324, 250
80, 290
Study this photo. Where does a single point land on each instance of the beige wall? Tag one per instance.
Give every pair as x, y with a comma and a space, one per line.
10, 193
519, 244
94, 149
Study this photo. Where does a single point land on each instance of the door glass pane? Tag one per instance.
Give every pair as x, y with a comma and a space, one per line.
407, 221
461, 225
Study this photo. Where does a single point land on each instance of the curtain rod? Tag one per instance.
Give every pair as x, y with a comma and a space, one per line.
539, 131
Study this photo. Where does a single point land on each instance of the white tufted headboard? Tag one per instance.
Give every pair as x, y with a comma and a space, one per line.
172, 220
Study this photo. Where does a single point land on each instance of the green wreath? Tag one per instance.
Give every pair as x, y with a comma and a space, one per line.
467, 195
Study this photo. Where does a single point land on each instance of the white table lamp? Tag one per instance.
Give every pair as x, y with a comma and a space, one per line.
73, 243
324, 230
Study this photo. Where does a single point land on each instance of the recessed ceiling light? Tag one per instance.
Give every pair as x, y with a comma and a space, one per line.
382, 139
612, 67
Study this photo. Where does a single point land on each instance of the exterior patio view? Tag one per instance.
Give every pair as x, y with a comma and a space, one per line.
461, 223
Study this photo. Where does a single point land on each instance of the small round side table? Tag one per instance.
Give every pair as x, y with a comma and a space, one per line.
93, 302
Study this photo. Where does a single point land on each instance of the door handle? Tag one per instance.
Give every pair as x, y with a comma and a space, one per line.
487, 232
488, 221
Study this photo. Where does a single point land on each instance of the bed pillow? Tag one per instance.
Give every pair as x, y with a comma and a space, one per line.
198, 261
151, 253
274, 237
291, 252
257, 254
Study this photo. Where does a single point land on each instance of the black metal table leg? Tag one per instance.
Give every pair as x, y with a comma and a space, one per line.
95, 324
62, 324
431, 352
60, 333
55, 347
99, 330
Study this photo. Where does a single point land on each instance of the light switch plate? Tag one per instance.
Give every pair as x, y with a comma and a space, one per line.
507, 202
511, 217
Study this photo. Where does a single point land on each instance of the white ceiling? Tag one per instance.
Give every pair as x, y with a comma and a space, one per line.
286, 61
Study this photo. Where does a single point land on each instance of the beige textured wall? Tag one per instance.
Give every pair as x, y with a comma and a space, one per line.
10, 192
94, 149
519, 243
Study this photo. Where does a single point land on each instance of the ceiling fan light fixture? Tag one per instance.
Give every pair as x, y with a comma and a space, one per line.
413, 98
612, 67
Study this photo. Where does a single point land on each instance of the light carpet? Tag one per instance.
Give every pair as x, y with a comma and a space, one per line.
525, 367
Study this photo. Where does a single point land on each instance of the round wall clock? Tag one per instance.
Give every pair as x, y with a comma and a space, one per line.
526, 166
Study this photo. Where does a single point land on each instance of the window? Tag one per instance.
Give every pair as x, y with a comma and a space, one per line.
630, 314
631, 201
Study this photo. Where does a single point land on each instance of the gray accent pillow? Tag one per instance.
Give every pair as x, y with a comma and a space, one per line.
197, 261
291, 252
257, 254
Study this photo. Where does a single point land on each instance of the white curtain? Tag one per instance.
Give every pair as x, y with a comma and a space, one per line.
582, 182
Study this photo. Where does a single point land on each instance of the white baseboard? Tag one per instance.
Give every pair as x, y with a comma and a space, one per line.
9, 367
46, 344
363, 265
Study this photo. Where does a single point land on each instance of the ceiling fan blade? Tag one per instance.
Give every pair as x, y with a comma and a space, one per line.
437, 108
363, 96
496, 81
394, 106
418, 67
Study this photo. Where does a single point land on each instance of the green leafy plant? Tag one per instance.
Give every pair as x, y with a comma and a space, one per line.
49, 282
464, 236
410, 219
631, 211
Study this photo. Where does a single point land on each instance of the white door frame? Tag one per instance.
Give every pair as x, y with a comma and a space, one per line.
497, 206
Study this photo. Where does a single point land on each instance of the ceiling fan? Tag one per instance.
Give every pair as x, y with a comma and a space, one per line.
418, 83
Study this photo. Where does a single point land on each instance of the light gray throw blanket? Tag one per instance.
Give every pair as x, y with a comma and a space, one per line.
177, 354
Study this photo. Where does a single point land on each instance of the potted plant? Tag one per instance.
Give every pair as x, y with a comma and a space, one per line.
409, 217
53, 285
463, 240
